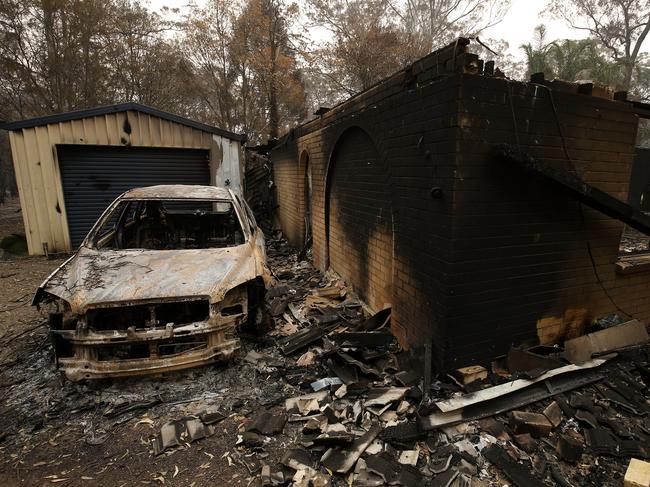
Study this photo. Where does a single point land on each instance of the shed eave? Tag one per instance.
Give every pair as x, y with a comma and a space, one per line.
121, 107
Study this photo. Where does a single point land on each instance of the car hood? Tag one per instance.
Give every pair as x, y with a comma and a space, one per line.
103, 277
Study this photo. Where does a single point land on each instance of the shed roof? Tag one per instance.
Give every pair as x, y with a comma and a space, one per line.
120, 107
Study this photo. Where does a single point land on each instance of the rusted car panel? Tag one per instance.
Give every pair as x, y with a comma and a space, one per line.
130, 311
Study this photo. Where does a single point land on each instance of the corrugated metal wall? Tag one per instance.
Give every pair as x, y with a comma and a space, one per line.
93, 176
39, 177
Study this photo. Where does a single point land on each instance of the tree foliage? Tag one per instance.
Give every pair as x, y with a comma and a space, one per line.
370, 39
619, 26
583, 59
227, 63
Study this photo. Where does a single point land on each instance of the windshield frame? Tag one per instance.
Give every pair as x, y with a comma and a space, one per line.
90, 241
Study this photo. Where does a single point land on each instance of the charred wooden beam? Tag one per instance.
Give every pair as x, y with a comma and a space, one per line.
641, 109
577, 188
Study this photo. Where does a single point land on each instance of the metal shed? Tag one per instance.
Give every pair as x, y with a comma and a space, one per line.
70, 166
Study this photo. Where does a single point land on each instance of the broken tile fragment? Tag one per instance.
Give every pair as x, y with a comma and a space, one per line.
407, 378
445, 479
195, 429
526, 442
569, 449
403, 432
306, 403
298, 459
169, 436
586, 418
212, 417
393, 472
306, 359
301, 339
601, 441
526, 422
325, 382
383, 396
408, 457
266, 476
341, 461
268, 423
495, 428
250, 439
520, 361
553, 413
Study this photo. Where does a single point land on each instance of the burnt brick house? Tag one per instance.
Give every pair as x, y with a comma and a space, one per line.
402, 193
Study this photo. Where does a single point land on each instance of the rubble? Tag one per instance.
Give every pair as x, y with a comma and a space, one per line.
582, 348
351, 407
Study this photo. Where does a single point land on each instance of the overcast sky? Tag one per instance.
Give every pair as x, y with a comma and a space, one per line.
517, 27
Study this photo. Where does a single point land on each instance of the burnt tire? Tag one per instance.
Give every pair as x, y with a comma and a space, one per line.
259, 320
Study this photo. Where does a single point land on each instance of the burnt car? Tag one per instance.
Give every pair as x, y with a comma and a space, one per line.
162, 282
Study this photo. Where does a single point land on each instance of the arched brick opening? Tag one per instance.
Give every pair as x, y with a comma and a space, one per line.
359, 217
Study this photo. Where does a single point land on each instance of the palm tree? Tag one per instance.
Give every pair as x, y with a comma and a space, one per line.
538, 54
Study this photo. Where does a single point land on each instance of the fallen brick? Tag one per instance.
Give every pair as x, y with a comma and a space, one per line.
467, 375
637, 474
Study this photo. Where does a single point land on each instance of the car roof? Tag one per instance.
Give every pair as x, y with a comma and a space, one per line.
179, 191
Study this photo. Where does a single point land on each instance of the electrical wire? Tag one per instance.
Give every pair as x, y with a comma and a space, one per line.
573, 167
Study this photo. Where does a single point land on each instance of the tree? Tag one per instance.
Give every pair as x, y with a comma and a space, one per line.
208, 44
538, 59
433, 23
568, 59
371, 39
146, 66
52, 55
272, 60
61, 55
367, 44
620, 27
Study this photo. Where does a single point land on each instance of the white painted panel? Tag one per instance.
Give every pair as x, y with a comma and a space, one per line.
229, 171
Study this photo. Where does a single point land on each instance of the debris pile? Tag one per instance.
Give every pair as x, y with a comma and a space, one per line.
326, 396
363, 417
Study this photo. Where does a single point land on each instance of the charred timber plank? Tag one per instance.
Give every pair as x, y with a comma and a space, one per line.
577, 188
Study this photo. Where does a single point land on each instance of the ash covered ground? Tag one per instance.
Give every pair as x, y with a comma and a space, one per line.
258, 419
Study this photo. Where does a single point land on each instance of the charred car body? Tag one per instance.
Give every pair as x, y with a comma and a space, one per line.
161, 283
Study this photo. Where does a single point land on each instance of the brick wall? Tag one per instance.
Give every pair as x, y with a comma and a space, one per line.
498, 257
387, 236
521, 249
359, 218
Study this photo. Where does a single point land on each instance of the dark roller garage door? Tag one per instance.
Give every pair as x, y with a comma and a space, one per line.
93, 176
